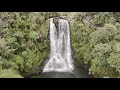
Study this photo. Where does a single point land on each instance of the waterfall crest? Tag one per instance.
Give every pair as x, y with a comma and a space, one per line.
60, 49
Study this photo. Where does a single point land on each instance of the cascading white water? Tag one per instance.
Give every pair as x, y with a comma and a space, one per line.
60, 50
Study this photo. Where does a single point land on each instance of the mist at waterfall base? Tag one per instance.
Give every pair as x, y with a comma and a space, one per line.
61, 63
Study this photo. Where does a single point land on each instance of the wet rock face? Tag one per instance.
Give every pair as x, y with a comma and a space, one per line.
63, 17
55, 20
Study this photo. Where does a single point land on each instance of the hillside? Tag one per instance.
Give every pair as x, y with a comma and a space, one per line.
24, 41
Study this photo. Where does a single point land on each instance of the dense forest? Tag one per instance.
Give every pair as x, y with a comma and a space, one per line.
24, 42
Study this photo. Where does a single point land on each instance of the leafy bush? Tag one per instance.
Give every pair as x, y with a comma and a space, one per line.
114, 61
95, 41
94, 36
9, 73
23, 41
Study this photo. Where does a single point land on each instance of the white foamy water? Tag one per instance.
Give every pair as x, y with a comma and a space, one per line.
60, 49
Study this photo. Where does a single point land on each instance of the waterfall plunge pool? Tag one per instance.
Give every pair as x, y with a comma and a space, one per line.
60, 54
78, 72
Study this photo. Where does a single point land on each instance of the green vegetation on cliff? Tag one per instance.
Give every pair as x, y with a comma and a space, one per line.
95, 40
24, 41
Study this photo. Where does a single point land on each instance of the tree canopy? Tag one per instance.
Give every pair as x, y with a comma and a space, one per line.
24, 41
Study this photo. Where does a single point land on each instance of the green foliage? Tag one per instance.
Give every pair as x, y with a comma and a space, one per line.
103, 34
33, 35
100, 50
95, 38
95, 42
114, 61
23, 41
9, 73
100, 68
19, 61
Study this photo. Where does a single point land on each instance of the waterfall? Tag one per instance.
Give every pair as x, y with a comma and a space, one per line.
60, 49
